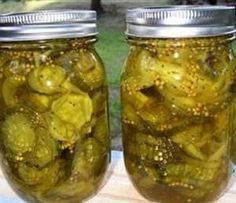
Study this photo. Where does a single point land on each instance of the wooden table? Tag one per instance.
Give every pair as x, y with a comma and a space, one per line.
117, 189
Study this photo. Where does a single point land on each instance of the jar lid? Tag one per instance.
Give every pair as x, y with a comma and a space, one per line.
50, 24
180, 21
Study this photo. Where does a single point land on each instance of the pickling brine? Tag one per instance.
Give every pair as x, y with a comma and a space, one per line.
177, 116
54, 137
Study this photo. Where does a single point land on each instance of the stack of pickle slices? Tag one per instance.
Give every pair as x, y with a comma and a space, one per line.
177, 104
53, 122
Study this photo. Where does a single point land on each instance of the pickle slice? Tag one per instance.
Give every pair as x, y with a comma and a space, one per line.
18, 133
86, 61
68, 87
189, 139
132, 95
184, 85
129, 116
40, 179
60, 130
89, 159
87, 127
70, 191
39, 102
9, 89
193, 91
160, 118
153, 149
45, 150
194, 175
74, 109
141, 66
46, 79
89, 70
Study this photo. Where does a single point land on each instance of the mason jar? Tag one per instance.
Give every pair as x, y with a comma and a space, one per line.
54, 138
233, 142
177, 97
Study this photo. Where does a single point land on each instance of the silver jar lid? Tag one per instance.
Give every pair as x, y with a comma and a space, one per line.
180, 21
51, 24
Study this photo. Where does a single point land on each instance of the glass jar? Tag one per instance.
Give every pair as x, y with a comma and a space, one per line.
54, 140
176, 94
233, 142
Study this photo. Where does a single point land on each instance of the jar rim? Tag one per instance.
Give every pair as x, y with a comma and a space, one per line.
47, 24
180, 21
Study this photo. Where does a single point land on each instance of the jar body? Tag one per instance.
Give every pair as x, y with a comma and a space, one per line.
233, 141
177, 117
54, 126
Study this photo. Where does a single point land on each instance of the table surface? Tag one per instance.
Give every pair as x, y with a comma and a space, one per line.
117, 188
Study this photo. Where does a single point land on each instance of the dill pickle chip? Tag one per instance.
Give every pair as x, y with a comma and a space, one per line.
129, 116
89, 159
141, 68
189, 139
86, 61
160, 118
75, 109
205, 171
133, 96
9, 89
89, 69
40, 179
93, 79
30, 175
153, 149
70, 191
45, 150
46, 79
19, 135
60, 130
194, 151
218, 154
87, 127
68, 87
12, 67
192, 90
184, 85
38, 102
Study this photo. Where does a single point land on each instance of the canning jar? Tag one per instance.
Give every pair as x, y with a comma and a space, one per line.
53, 105
233, 142
177, 96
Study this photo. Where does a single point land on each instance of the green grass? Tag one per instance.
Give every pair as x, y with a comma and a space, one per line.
113, 49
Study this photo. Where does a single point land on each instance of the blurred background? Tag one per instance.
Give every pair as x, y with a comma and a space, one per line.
111, 44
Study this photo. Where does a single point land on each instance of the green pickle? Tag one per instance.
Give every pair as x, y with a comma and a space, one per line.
177, 117
88, 71
53, 124
18, 134
46, 79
